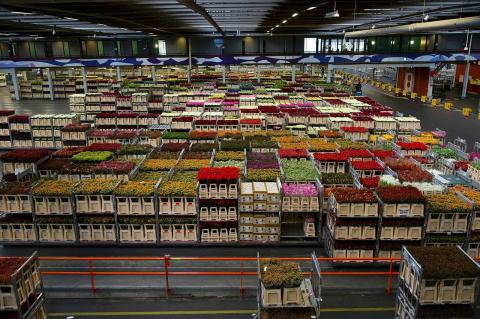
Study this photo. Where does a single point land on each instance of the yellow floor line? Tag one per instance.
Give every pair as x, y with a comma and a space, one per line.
202, 312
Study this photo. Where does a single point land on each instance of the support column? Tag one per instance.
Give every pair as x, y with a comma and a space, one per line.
223, 73
154, 74
189, 69
84, 78
294, 69
257, 71
430, 86
467, 68
119, 74
16, 89
50, 83
329, 73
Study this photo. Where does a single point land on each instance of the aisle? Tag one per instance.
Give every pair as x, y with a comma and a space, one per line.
33, 106
452, 121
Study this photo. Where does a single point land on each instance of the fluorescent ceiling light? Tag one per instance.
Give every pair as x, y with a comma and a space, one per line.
20, 12
311, 8
284, 21
333, 14
379, 9
277, 26
73, 19
294, 15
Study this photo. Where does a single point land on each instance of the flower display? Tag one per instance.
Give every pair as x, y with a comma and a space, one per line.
234, 145
192, 164
354, 129
174, 147
169, 135
135, 149
251, 121
470, 193
292, 153
135, 189
209, 174
353, 195
350, 145
337, 179
184, 176
262, 175
299, 189
53, 164
383, 153
329, 134
114, 167
24, 155
18, 118
297, 145
98, 147
68, 152
177, 188
298, 170
202, 135
97, 186
443, 151
330, 157
76, 127
197, 155
158, 154
15, 188
231, 163
158, 164
256, 160
412, 146
460, 165
53, 188
399, 164
356, 153
320, 145
92, 157
229, 156
203, 147
414, 175
264, 144
447, 203
286, 139
400, 194
370, 182
150, 175
229, 134
366, 165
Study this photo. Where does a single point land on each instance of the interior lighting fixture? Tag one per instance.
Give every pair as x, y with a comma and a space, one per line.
373, 42
426, 17
54, 31
373, 26
294, 15
412, 42
284, 21
311, 8
334, 13
21, 12
72, 19
277, 26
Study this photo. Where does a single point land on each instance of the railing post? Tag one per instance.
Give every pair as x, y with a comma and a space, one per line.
166, 264
242, 289
92, 276
390, 273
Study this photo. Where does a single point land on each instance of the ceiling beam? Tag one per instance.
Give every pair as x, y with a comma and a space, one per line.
191, 4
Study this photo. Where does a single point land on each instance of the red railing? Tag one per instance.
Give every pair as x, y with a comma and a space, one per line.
167, 259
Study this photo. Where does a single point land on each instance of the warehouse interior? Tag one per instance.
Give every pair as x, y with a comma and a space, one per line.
239, 159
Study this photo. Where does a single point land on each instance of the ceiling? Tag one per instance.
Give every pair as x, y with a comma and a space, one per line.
215, 17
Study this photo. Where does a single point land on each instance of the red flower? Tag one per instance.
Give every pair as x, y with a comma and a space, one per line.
353, 195
400, 194
414, 175
183, 119
68, 152
383, 153
24, 155
218, 173
76, 127
460, 165
370, 182
115, 167
330, 157
353, 129
205, 122
111, 147
350, 153
412, 146
19, 119
366, 165
202, 135
251, 121
292, 153
6, 112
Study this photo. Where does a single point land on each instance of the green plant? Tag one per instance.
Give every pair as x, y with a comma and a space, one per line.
92, 157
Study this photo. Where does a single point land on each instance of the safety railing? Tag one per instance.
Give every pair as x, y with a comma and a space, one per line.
167, 272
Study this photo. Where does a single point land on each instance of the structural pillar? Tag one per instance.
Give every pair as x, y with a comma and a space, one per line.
154, 74
223, 73
430, 85
257, 70
50, 83
119, 74
294, 69
84, 78
467, 67
16, 89
329, 73
189, 69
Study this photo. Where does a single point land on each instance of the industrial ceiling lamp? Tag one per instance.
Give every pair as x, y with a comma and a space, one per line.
334, 13
54, 31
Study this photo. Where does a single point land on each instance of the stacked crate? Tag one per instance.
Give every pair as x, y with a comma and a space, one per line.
436, 282
402, 219
260, 211
20, 131
351, 223
16, 223
472, 197
21, 288
5, 139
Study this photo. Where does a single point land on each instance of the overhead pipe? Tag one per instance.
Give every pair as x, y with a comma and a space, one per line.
449, 24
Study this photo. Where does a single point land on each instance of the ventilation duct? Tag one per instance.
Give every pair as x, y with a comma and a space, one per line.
445, 25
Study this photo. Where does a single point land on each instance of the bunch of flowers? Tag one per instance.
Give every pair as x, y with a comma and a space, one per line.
203, 147
202, 135
230, 134
470, 193
197, 155
53, 164
264, 144
177, 188
382, 154
370, 182
299, 189
158, 164
150, 176
251, 121
298, 170
170, 135
229, 156
24, 155
276, 275
109, 147
286, 139
152, 134
19, 119
262, 175
174, 147
292, 153
354, 129
75, 127
234, 145
114, 167
400, 194
92, 157
135, 189
330, 157
460, 165
337, 179
278, 133
353, 195
6, 112
192, 164
238, 164
350, 145
412, 146
356, 153
297, 145
218, 174
158, 154
443, 151
257, 160
320, 145
101, 133
15, 188
123, 134
414, 175
97, 186
447, 203
53, 188
329, 134
183, 119
399, 164
366, 165
135, 149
